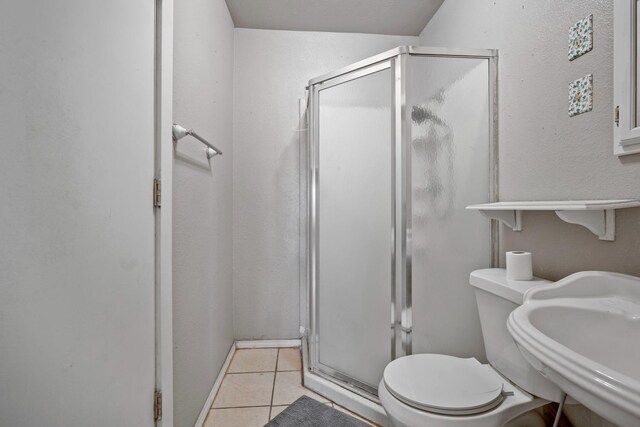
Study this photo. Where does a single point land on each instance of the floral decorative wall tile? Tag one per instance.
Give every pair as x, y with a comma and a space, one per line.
581, 38
581, 95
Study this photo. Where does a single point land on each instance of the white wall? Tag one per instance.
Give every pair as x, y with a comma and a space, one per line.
202, 201
544, 154
271, 71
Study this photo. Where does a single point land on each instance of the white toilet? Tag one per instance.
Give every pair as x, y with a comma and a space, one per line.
425, 390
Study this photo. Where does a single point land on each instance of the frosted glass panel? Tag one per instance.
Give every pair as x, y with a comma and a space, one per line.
448, 99
354, 219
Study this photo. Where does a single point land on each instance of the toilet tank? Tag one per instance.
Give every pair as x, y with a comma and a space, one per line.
497, 297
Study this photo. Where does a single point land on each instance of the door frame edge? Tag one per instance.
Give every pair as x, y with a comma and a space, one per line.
163, 215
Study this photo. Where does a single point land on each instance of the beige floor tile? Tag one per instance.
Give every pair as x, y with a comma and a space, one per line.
237, 417
354, 415
245, 390
254, 360
289, 387
289, 359
275, 410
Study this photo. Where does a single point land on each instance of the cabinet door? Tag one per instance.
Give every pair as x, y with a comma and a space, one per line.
626, 128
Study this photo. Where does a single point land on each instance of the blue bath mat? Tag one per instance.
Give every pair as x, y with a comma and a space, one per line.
307, 412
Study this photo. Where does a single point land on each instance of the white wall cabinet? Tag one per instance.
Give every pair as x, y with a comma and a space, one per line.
626, 127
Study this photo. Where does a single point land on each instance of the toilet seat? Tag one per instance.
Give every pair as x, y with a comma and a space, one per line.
444, 384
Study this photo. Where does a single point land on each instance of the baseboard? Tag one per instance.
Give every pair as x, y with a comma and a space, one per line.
215, 388
268, 343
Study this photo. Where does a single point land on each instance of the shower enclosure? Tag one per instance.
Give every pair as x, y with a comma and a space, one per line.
399, 144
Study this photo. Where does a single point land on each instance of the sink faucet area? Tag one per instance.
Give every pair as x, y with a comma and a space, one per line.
582, 333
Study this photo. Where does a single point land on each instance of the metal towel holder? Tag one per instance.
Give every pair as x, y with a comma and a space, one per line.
179, 132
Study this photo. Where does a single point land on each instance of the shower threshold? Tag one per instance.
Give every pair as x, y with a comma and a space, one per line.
341, 392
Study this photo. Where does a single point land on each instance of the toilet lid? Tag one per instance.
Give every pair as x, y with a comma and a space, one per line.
444, 384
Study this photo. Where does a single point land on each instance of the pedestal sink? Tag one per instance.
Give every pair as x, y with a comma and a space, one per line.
583, 334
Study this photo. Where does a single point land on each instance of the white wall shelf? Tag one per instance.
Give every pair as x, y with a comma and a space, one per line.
598, 216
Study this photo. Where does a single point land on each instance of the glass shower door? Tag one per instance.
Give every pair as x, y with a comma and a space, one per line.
354, 221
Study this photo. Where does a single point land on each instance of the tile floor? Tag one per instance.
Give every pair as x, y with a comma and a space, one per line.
259, 384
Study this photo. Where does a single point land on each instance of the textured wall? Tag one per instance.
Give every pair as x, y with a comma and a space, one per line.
271, 71
544, 154
202, 253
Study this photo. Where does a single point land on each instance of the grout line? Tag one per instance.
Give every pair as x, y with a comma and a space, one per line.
240, 407
243, 349
257, 372
273, 389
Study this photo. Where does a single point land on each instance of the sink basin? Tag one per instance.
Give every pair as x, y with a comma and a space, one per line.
583, 334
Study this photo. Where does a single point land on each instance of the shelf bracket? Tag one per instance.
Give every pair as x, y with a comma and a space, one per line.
597, 216
602, 223
510, 218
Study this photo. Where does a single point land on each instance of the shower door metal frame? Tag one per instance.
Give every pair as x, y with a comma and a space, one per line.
400, 229
315, 89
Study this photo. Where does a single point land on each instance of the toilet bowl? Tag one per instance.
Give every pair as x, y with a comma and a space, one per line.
437, 390
434, 390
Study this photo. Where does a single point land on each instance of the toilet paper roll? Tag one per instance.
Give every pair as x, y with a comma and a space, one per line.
519, 265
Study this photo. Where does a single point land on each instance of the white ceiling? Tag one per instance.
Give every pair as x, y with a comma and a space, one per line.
398, 17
